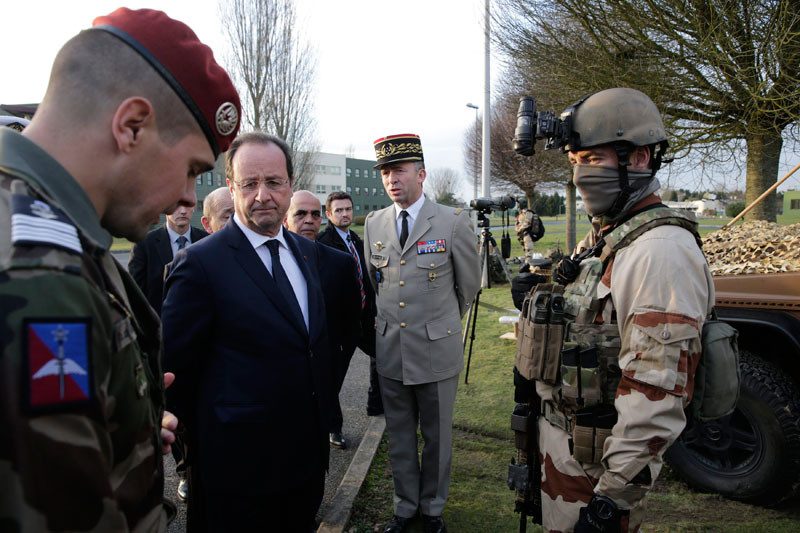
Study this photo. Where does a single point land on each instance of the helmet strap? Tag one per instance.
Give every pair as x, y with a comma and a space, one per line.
623, 162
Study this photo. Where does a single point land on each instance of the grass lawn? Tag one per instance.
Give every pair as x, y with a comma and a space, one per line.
483, 445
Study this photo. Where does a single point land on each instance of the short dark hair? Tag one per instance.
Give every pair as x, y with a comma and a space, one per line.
337, 195
257, 137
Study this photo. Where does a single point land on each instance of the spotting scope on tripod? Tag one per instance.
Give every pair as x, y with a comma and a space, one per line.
488, 249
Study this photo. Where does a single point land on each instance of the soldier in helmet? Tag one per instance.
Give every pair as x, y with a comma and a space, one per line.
529, 228
136, 108
636, 292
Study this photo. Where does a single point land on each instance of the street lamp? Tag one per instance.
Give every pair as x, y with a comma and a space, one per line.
475, 167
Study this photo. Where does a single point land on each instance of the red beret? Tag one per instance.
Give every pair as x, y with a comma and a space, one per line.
187, 65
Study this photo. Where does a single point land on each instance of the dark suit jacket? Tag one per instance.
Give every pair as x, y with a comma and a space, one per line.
148, 259
252, 385
331, 238
339, 279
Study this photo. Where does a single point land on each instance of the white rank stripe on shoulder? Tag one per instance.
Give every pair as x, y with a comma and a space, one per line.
33, 229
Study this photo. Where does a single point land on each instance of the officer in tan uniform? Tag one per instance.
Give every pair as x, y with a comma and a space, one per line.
423, 264
636, 292
135, 109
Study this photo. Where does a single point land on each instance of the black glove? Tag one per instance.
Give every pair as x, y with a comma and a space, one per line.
566, 271
601, 515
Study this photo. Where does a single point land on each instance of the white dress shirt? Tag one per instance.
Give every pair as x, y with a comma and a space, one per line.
173, 238
413, 213
288, 262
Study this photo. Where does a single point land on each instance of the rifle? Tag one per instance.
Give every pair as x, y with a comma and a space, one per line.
525, 472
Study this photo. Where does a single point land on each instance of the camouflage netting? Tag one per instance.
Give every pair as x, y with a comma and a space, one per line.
753, 248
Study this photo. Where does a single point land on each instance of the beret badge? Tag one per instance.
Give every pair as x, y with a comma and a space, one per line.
227, 117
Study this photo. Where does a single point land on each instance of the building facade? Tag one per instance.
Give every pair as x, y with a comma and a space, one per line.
365, 185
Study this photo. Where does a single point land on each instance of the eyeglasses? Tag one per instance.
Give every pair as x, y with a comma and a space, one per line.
271, 184
300, 213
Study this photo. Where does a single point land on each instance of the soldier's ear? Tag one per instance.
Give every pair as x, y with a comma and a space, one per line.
131, 119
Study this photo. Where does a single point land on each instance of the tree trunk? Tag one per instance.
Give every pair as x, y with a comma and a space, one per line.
763, 154
570, 216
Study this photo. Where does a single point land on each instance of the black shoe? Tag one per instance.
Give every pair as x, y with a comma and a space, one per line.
374, 411
337, 440
433, 524
396, 525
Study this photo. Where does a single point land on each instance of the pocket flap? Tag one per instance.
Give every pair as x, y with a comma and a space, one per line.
438, 329
431, 260
379, 260
666, 328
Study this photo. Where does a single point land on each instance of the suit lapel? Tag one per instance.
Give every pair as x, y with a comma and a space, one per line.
248, 259
163, 246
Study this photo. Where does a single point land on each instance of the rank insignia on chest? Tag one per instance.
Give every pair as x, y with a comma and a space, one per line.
58, 364
431, 247
379, 245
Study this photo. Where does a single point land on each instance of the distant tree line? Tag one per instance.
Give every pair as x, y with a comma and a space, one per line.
547, 205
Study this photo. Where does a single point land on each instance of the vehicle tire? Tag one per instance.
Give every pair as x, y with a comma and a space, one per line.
752, 455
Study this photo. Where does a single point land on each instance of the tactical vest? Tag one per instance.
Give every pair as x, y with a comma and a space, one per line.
569, 339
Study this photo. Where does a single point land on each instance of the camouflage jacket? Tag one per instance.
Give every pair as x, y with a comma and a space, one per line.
655, 292
81, 390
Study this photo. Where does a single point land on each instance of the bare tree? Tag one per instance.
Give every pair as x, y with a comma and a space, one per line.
725, 73
442, 185
274, 68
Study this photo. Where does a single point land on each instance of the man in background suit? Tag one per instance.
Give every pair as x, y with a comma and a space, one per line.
339, 210
217, 209
424, 267
148, 257
340, 287
254, 365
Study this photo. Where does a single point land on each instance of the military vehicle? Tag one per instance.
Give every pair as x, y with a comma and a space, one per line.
753, 455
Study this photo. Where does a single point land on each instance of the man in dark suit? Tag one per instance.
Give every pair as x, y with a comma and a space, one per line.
339, 210
254, 364
148, 259
341, 289
149, 256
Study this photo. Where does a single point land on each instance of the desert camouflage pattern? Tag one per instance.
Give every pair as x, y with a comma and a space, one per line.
97, 466
522, 228
644, 312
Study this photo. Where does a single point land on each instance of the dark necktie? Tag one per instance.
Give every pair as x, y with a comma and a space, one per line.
404, 228
181, 242
282, 281
358, 266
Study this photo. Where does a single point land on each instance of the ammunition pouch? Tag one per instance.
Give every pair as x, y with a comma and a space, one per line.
592, 426
541, 333
716, 381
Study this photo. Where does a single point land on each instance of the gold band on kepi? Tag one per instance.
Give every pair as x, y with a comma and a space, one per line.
397, 148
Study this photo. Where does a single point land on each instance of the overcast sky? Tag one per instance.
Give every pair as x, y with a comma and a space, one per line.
385, 67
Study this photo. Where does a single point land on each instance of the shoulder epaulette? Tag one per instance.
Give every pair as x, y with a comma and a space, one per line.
34, 222
458, 211
370, 214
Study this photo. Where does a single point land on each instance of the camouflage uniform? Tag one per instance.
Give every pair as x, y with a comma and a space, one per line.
81, 433
644, 312
527, 223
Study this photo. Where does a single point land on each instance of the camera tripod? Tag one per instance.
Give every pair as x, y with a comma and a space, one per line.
488, 248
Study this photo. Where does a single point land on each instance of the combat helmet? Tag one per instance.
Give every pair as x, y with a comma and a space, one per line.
624, 118
522, 202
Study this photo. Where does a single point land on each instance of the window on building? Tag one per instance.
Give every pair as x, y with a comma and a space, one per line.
374, 191
349, 171
358, 173
321, 189
219, 180
383, 192
209, 178
199, 179
349, 190
358, 191
335, 170
794, 204
335, 188
374, 174
358, 208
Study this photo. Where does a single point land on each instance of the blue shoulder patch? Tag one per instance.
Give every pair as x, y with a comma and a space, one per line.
35, 222
57, 363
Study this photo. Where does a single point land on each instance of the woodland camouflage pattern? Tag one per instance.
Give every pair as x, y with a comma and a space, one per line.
95, 466
644, 311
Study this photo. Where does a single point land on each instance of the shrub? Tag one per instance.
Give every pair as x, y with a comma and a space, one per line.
733, 209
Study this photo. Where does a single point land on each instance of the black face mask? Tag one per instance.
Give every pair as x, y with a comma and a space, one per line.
599, 187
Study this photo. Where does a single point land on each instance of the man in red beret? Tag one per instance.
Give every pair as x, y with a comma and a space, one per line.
135, 109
